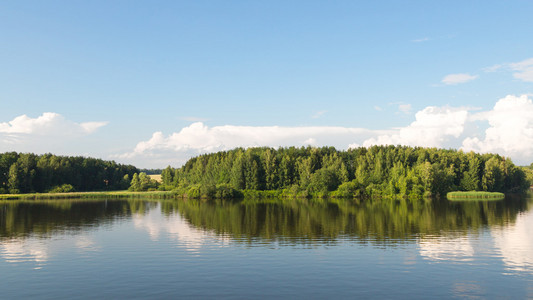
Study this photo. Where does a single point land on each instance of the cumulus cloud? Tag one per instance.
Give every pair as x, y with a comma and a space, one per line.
433, 127
199, 138
454, 79
510, 131
49, 132
48, 124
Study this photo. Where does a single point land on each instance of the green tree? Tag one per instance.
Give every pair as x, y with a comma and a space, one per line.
135, 184
167, 176
470, 181
492, 175
14, 179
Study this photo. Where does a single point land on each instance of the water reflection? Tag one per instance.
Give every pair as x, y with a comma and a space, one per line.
85, 243
175, 228
16, 251
447, 249
515, 243
442, 231
380, 222
44, 218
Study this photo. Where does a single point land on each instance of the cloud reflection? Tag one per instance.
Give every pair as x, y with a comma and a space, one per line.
446, 248
176, 229
20, 251
86, 244
40, 251
515, 243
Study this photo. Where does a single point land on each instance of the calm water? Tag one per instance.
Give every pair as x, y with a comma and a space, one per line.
270, 249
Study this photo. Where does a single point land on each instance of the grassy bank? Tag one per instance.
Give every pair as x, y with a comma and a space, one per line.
475, 195
245, 194
90, 195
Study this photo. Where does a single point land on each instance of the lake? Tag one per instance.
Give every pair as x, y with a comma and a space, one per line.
301, 249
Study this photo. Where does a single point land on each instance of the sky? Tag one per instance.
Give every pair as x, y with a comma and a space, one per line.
154, 83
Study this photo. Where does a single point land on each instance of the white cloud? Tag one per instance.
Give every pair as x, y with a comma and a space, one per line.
48, 124
454, 79
510, 131
425, 39
493, 68
310, 141
405, 108
50, 132
319, 114
198, 138
523, 70
378, 108
433, 127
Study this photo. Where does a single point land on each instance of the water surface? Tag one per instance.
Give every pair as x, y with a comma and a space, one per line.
275, 249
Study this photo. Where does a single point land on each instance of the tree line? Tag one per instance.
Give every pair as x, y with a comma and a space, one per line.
374, 171
27, 173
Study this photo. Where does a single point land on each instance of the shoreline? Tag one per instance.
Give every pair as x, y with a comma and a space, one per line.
89, 195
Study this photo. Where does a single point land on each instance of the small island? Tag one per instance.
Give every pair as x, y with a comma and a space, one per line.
475, 195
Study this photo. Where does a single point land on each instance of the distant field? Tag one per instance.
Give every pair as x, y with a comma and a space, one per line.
156, 177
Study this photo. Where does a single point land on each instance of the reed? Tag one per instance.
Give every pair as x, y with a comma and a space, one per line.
475, 195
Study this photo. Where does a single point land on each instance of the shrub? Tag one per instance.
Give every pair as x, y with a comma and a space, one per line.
65, 188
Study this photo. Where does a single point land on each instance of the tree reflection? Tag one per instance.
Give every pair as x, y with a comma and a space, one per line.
378, 221
43, 218
298, 221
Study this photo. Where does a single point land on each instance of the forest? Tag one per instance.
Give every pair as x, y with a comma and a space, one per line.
29, 173
378, 171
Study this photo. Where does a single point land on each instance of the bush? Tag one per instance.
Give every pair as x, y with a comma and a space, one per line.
226, 191
194, 191
208, 191
65, 188
347, 190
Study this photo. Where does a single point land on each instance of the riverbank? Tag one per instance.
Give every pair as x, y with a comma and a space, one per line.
245, 194
90, 195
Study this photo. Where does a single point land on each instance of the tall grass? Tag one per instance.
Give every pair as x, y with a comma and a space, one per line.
475, 195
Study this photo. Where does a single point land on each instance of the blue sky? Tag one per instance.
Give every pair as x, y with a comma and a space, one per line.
253, 71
